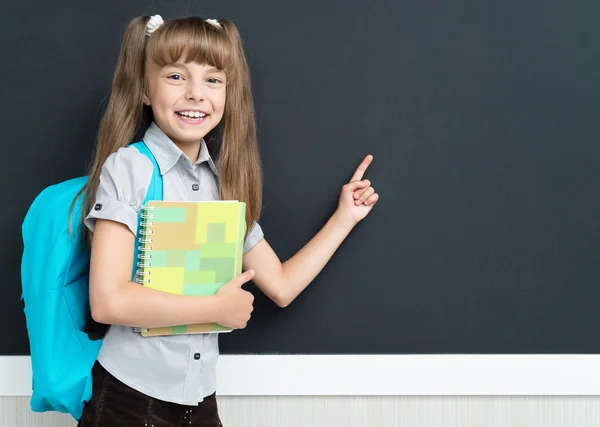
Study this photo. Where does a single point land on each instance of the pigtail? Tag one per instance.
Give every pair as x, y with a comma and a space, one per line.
123, 113
240, 176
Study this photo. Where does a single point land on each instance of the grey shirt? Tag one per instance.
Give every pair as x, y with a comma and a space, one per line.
179, 368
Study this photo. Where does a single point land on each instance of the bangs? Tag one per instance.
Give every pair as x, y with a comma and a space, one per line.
191, 40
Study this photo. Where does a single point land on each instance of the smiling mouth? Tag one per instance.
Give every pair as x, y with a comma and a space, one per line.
192, 117
192, 114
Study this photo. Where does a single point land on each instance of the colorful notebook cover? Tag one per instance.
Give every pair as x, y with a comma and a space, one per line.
191, 248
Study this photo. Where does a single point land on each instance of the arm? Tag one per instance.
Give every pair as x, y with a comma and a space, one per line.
283, 282
115, 299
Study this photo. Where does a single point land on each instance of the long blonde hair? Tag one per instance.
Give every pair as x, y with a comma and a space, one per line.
232, 143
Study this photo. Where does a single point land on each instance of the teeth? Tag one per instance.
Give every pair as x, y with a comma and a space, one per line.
192, 114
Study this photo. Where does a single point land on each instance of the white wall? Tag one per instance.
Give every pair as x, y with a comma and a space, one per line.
375, 411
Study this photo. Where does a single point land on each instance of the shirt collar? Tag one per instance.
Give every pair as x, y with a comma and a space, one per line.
167, 154
205, 157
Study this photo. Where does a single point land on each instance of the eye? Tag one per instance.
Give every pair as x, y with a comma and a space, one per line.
214, 80
175, 77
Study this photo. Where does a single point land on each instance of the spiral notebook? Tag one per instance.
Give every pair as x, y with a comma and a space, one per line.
190, 248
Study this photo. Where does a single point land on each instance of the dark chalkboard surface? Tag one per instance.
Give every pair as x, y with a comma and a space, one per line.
482, 119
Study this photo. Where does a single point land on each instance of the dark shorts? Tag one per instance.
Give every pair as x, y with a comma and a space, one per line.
114, 404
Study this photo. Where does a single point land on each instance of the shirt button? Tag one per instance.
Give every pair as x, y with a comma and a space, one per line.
98, 206
195, 187
197, 356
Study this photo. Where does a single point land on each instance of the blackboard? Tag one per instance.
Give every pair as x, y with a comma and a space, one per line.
482, 119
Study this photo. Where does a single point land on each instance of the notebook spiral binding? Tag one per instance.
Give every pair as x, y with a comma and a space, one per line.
145, 247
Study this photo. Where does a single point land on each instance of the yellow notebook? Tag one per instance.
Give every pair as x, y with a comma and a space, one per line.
190, 248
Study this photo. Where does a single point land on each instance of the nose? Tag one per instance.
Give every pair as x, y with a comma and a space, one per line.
195, 91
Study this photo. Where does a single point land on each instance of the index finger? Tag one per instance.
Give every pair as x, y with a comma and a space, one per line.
362, 168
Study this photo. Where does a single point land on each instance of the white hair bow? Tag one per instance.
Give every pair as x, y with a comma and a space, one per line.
154, 22
214, 23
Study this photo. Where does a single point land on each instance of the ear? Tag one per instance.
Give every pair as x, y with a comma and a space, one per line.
146, 98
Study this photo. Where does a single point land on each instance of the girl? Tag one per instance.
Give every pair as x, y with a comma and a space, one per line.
190, 80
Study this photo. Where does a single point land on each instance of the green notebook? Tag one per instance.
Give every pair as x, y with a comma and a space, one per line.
191, 248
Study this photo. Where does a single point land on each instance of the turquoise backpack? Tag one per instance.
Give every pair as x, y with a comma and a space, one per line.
55, 296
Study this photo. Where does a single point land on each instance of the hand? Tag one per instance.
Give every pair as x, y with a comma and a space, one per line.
357, 197
235, 302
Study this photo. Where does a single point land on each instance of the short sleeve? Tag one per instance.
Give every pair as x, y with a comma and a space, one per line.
124, 180
253, 237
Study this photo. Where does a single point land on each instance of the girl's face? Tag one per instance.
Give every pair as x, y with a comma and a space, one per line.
187, 99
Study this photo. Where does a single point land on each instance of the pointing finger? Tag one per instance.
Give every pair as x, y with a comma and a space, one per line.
362, 168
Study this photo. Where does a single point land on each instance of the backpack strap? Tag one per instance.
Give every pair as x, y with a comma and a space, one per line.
154, 192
